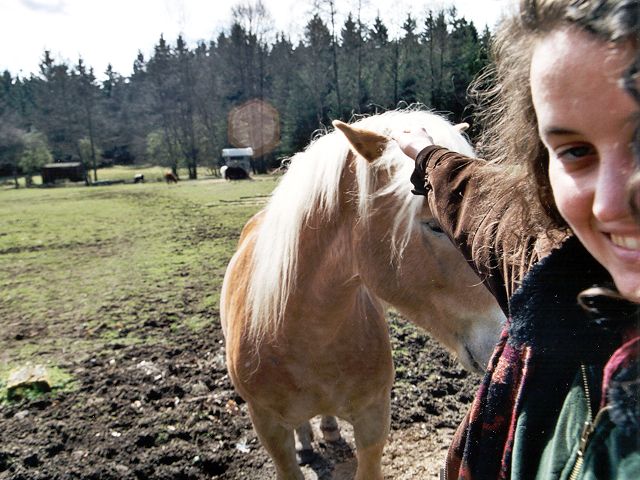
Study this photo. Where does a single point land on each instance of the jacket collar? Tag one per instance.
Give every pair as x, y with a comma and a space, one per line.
546, 315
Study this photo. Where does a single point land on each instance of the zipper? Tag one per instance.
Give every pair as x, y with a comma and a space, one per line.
443, 473
588, 428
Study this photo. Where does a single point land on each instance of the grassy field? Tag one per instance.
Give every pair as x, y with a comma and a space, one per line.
81, 268
152, 173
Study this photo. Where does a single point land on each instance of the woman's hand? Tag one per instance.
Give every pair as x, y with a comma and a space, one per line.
413, 141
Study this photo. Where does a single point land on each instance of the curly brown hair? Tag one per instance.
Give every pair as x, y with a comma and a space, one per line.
504, 107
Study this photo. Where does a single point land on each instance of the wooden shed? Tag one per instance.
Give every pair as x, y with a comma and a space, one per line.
73, 171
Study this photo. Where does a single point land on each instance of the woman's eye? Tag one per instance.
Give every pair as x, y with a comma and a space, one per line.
576, 153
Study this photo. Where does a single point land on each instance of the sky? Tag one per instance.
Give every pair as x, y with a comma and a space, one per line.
112, 32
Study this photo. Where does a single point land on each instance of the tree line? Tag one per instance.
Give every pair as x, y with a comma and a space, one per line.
172, 110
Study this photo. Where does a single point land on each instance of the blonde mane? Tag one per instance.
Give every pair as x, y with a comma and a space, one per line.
311, 185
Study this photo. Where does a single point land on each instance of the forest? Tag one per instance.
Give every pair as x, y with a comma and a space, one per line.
172, 110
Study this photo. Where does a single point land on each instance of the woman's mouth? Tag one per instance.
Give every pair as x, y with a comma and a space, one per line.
628, 242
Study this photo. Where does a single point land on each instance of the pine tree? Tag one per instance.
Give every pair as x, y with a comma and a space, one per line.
185, 120
118, 126
410, 61
348, 67
11, 132
211, 123
316, 60
380, 66
281, 72
56, 111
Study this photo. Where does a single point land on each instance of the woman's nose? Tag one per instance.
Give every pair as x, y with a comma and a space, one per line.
610, 197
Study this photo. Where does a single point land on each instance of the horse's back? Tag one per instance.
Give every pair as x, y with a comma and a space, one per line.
252, 224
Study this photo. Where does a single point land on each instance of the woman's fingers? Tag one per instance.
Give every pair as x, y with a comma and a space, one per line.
412, 141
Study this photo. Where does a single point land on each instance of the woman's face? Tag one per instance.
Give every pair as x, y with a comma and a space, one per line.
587, 121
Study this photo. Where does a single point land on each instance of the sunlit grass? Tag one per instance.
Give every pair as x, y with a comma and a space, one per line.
117, 173
84, 267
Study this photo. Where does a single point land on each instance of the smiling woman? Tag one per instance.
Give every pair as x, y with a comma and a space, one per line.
549, 224
590, 161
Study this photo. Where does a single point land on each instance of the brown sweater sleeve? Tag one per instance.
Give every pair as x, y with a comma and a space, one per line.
453, 189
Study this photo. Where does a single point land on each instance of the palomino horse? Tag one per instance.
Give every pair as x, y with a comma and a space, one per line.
303, 299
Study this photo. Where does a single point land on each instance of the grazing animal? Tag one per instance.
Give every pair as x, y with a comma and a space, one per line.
304, 296
233, 173
170, 177
138, 178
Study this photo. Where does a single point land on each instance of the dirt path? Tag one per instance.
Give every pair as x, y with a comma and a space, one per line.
160, 411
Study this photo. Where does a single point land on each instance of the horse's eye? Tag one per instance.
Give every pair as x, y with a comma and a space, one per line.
433, 226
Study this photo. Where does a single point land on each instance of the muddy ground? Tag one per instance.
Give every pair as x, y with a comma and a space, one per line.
169, 412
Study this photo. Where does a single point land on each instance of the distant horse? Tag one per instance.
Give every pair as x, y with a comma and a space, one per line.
233, 173
170, 177
138, 178
303, 299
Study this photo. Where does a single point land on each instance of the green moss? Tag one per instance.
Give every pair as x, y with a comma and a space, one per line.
196, 323
59, 380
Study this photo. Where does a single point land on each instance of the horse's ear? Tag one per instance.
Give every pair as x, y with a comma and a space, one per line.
365, 142
462, 127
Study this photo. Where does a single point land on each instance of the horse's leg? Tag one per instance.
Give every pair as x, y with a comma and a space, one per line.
304, 433
330, 429
371, 429
279, 442
304, 449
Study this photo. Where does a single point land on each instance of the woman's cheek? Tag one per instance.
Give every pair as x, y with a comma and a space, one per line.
572, 199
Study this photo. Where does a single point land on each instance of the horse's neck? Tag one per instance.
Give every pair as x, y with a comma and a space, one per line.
325, 259
329, 301
328, 287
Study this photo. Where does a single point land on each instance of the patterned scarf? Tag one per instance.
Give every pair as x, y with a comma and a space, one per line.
547, 337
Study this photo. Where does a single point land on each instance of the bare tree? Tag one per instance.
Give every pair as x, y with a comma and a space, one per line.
87, 94
255, 19
330, 5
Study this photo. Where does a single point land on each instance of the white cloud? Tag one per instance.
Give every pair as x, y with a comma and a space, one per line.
49, 6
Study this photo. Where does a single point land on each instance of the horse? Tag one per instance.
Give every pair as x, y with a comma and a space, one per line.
304, 296
170, 177
234, 173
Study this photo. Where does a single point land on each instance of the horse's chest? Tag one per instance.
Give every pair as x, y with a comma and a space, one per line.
315, 384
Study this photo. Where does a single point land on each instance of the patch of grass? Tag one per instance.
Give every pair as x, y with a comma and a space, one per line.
82, 268
196, 323
61, 380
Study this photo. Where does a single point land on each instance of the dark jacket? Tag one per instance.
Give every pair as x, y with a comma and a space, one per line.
559, 365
